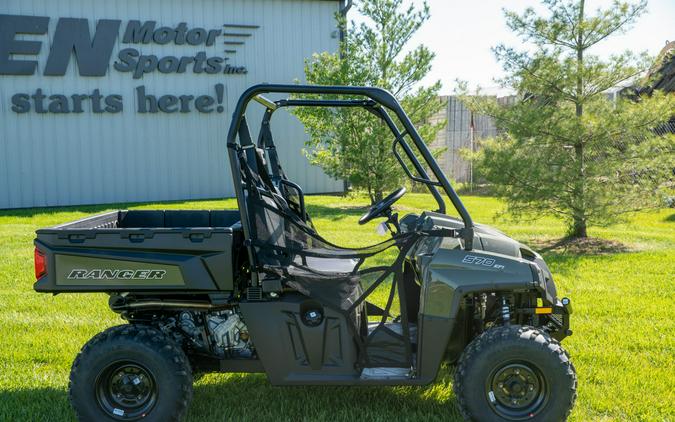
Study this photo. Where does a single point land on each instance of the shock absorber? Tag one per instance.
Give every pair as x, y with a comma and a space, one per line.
506, 312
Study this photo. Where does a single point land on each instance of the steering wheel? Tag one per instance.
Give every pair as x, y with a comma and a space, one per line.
379, 208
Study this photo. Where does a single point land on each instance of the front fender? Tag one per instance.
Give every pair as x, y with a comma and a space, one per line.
447, 276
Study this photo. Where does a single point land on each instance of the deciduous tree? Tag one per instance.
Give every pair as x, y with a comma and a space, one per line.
352, 144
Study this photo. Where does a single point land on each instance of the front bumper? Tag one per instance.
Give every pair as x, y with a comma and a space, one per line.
560, 319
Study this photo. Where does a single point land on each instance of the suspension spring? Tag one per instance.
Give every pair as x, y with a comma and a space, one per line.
506, 311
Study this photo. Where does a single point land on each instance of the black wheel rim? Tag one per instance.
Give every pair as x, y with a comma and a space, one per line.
126, 390
517, 390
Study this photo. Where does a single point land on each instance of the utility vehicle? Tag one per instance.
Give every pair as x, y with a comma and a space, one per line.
259, 290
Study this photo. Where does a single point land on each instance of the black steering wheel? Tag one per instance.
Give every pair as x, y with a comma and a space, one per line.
382, 206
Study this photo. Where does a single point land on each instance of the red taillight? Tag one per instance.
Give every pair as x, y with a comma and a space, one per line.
40, 264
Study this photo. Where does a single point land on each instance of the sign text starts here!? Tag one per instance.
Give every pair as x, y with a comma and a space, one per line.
92, 54
41, 102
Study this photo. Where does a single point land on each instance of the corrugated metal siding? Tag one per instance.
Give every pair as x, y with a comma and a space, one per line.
456, 136
63, 159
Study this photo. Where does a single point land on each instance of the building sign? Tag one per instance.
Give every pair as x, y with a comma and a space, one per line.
92, 54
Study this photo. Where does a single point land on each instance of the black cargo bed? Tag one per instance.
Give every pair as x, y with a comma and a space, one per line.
156, 219
125, 250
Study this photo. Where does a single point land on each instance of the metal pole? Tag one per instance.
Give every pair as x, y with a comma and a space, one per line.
471, 139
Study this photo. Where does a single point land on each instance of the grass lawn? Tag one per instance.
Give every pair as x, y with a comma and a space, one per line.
623, 344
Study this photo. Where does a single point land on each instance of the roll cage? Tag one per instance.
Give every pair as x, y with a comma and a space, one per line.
375, 100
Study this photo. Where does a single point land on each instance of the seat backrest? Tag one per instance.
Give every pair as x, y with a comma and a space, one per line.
269, 228
268, 213
186, 218
141, 218
224, 218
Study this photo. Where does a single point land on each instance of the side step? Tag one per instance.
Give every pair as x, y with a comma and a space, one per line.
386, 373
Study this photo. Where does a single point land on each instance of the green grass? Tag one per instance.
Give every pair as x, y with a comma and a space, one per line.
623, 344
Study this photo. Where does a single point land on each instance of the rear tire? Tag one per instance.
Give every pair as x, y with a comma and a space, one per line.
128, 373
512, 373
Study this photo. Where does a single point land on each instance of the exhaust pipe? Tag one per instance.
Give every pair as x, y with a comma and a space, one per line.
116, 306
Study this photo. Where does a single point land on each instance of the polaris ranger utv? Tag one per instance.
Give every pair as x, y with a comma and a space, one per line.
259, 290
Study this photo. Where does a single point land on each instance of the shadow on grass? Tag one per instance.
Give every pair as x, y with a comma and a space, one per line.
583, 246
252, 398
332, 213
564, 255
31, 212
35, 404
670, 218
245, 398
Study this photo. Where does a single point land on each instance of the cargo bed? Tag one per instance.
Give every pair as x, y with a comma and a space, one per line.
133, 250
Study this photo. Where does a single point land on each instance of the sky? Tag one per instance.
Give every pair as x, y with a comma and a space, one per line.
462, 33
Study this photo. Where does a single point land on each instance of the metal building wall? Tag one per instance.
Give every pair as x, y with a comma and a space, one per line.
456, 136
86, 158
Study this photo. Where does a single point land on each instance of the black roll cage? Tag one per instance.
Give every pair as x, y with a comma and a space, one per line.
377, 101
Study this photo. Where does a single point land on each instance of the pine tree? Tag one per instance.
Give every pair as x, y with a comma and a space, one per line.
567, 148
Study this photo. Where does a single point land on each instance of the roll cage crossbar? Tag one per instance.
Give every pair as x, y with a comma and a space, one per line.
375, 100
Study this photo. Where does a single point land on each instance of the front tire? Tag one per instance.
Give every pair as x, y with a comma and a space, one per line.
513, 373
130, 373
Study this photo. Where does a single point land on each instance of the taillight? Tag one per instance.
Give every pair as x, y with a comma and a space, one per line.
40, 264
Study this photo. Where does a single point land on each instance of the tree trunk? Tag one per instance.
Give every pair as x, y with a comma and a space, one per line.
376, 197
579, 227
